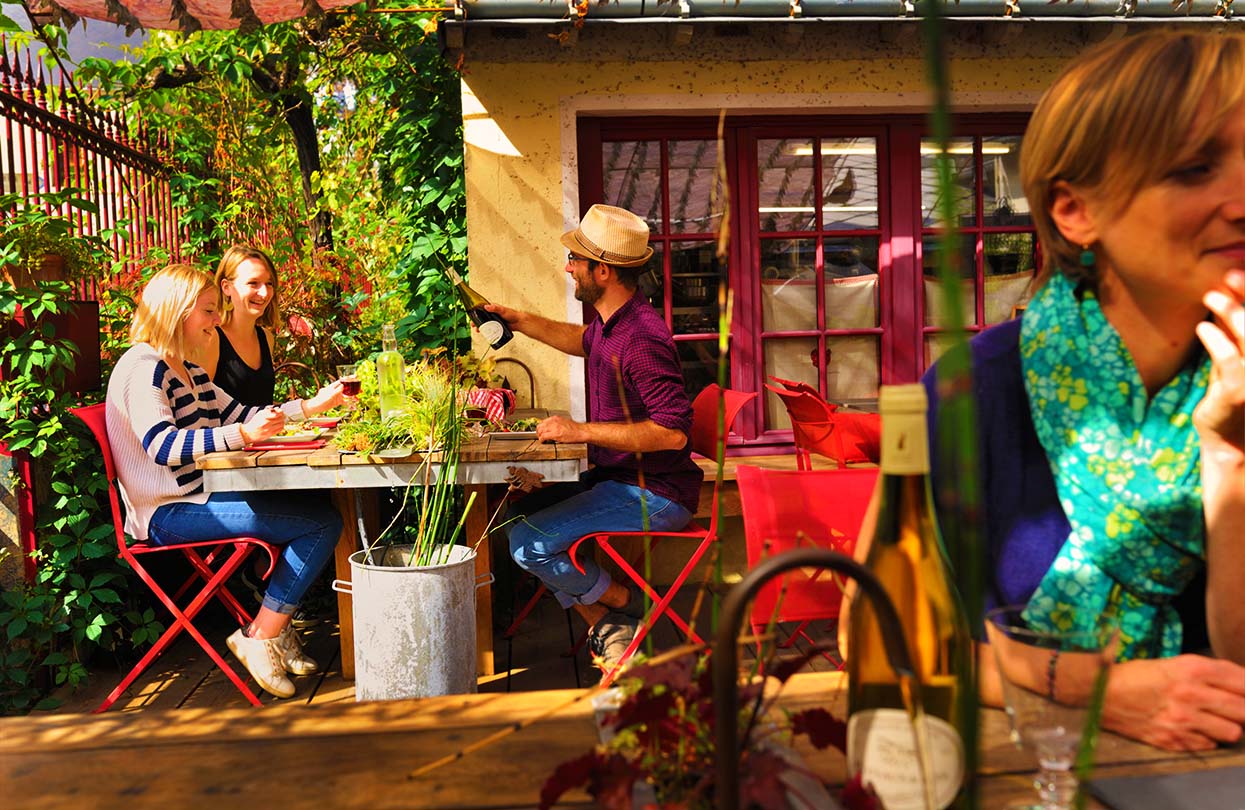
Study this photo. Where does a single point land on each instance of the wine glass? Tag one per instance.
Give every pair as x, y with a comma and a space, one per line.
1050, 679
348, 373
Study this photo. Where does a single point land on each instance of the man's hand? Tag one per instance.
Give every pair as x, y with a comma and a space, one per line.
263, 425
560, 429
513, 317
1185, 703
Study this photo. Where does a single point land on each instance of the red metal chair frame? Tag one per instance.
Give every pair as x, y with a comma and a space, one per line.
783, 510
213, 579
704, 440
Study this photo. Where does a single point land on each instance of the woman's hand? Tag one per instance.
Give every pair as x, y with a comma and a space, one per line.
327, 397
1185, 703
1221, 415
263, 425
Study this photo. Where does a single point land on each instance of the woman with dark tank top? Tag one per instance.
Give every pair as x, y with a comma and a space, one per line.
243, 367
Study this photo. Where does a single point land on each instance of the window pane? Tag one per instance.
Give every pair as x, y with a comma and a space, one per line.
692, 167
963, 174
936, 344
694, 279
632, 177
788, 284
785, 177
934, 307
700, 364
852, 369
849, 175
851, 283
1009, 272
790, 359
652, 281
1003, 198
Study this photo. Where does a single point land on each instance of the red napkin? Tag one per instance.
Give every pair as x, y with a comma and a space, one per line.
314, 444
495, 402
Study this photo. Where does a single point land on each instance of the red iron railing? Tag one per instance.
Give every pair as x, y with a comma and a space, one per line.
52, 139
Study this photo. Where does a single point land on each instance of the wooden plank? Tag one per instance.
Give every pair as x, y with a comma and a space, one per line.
283, 458
326, 456
474, 449
227, 460
571, 451
520, 450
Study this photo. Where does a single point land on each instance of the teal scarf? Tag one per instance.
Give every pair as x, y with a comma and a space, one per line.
1127, 470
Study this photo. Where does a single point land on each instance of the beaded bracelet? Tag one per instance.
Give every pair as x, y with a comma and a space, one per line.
1051, 667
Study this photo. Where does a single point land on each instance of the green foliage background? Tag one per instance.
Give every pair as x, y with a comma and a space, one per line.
360, 241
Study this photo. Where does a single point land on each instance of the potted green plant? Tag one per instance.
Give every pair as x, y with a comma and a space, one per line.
40, 244
42, 254
413, 587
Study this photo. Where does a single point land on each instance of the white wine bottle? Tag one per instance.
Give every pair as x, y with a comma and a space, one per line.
905, 739
390, 375
491, 325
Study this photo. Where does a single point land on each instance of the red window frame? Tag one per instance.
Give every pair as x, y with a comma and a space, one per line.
901, 328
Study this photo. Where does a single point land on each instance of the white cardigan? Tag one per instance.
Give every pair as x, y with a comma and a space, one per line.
158, 427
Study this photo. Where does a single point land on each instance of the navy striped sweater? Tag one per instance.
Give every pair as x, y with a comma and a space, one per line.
158, 426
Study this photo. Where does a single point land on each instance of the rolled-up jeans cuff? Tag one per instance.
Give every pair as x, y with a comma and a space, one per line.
598, 589
565, 600
277, 606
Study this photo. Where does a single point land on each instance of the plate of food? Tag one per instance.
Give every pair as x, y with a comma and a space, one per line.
326, 422
515, 429
295, 434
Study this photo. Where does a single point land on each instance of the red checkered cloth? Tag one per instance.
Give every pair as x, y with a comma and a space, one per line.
495, 402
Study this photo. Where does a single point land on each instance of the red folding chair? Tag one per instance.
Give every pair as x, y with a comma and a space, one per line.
213, 578
821, 427
705, 438
783, 510
799, 387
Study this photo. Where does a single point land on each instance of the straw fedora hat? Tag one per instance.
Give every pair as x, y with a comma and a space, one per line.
610, 235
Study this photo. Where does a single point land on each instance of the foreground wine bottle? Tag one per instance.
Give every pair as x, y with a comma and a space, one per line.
884, 737
491, 325
390, 375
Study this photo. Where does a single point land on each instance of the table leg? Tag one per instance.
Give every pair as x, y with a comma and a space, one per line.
477, 523
348, 543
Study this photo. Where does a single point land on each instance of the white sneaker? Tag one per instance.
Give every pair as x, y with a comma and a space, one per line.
262, 658
295, 661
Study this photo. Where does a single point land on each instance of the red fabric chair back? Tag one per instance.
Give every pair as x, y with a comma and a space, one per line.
819, 427
784, 509
704, 434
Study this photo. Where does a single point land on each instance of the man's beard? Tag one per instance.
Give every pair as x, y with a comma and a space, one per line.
588, 291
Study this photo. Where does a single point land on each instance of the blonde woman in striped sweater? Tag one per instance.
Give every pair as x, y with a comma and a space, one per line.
163, 414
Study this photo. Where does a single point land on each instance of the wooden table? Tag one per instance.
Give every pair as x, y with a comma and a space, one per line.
352, 755
482, 462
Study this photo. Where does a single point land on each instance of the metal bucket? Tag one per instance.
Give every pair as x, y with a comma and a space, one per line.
414, 627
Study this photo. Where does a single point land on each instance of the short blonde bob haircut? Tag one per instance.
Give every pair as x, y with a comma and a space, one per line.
1120, 118
228, 269
167, 299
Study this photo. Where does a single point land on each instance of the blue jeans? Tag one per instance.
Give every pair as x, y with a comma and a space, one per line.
304, 523
551, 519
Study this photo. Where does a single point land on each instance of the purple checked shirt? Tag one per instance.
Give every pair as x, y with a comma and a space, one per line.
635, 345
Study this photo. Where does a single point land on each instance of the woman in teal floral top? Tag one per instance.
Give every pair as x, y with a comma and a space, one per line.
1132, 357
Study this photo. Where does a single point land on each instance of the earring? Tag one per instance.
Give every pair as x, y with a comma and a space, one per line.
226, 304
1088, 258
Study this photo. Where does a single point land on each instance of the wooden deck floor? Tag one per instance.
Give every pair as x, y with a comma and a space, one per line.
537, 658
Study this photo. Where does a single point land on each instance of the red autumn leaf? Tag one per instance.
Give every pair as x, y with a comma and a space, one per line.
612, 782
859, 796
675, 673
568, 775
821, 727
300, 326
760, 783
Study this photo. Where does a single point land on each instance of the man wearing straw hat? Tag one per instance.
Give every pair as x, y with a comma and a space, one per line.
638, 436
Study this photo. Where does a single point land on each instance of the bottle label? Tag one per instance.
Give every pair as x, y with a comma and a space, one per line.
881, 746
905, 447
491, 330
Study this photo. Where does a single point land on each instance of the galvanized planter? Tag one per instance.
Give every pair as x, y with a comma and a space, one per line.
414, 627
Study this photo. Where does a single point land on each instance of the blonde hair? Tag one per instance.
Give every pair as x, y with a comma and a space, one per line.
228, 269
167, 299
1120, 118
